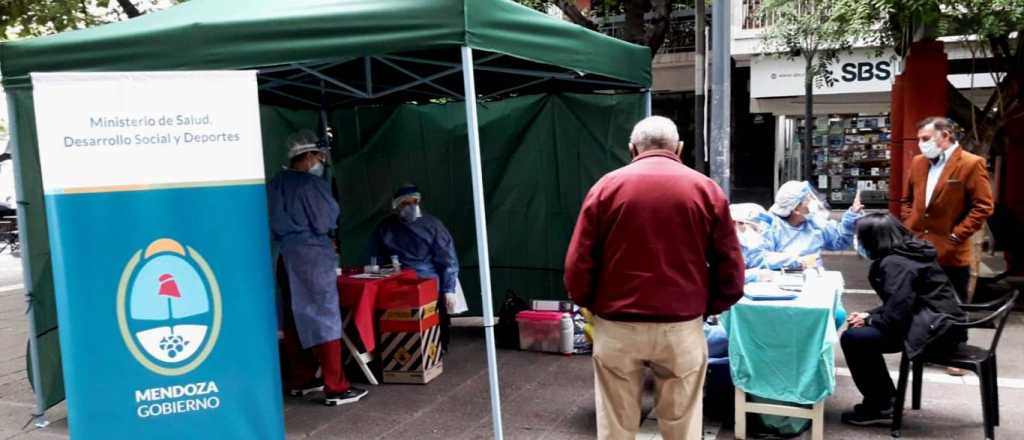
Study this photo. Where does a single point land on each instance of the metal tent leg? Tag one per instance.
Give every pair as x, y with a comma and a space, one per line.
469, 84
647, 103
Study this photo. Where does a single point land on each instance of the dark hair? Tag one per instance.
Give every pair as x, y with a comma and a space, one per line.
879, 233
941, 124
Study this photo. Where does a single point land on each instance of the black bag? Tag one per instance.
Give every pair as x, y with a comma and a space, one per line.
506, 332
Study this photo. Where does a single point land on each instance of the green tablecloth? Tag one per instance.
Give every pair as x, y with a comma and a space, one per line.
784, 350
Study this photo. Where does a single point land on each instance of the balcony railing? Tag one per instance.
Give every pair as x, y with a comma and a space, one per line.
680, 37
752, 17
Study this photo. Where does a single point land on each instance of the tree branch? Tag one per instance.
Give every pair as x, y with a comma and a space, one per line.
129, 8
568, 8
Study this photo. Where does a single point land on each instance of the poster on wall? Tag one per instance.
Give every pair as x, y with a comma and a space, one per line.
157, 216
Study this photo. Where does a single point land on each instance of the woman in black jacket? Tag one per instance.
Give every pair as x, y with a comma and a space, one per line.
918, 304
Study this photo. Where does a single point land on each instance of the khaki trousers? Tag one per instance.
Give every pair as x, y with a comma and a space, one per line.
677, 355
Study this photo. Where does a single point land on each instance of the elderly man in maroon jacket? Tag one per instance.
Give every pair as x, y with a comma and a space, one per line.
654, 251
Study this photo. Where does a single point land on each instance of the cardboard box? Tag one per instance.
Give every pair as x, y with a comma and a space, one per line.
410, 340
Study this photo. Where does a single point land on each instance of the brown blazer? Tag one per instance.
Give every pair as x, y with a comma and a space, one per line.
960, 205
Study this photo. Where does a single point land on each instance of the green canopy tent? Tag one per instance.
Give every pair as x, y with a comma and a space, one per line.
332, 59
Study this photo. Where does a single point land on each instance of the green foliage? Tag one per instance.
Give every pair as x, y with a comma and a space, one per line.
29, 18
22, 18
899, 20
815, 30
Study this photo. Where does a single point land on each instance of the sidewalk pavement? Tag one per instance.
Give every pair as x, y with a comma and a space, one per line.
543, 396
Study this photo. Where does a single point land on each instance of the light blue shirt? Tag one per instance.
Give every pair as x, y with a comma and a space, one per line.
936, 171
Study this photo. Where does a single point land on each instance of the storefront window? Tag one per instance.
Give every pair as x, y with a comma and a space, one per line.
851, 152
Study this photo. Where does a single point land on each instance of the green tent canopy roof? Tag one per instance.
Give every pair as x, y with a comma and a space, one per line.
352, 37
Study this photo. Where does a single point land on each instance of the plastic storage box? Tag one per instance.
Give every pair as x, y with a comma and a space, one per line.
549, 332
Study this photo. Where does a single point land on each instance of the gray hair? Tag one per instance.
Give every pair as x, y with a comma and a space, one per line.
940, 123
655, 132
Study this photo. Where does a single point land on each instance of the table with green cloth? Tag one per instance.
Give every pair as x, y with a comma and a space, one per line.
784, 349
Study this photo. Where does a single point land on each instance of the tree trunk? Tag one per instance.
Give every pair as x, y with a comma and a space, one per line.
636, 28
807, 158
129, 8
660, 21
571, 12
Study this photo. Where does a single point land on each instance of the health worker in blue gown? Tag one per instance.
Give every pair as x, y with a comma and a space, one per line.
423, 244
303, 217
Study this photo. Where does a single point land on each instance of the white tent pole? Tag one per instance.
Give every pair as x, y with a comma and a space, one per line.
469, 85
39, 416
647, 103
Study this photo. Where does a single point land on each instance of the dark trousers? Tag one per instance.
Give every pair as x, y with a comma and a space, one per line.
960, 277
863, 348
298, 365
446, 323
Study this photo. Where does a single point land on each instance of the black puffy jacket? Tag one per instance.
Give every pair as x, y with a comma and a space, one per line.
918, 300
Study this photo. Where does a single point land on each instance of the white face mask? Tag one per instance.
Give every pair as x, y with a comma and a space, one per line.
816, 213
750, 238
317, 169
819, 219
929, 149
410, 213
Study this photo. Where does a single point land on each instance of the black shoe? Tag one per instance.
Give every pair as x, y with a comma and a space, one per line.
866, 416
864, 409
308, 388
351, 396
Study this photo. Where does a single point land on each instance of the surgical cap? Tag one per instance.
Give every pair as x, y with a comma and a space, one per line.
746, 212
302, 141
789, 197
405, 192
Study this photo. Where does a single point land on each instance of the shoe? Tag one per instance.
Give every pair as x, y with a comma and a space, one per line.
308, 388
351, 396
865, 416
862, 408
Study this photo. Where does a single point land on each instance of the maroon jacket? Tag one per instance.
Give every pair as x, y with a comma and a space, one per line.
654, 242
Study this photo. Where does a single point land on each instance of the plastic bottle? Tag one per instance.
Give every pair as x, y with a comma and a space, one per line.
567, 340
395, 264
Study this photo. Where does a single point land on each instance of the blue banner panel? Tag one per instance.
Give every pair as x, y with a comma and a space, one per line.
166, 308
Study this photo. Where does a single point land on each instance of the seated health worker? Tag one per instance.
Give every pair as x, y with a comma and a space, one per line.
802, 229
751, 220
423, 244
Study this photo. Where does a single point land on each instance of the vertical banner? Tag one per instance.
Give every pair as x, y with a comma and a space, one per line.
157, 216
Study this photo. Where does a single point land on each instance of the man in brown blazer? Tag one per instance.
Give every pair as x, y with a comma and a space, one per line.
947, 197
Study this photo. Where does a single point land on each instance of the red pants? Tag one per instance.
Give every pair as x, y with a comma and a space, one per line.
299, 366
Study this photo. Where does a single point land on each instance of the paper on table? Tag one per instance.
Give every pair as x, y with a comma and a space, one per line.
371, 276
762, 291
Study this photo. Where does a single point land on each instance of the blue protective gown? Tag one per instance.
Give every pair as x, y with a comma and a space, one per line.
424, 245
753, 246
784, 243
302, 214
